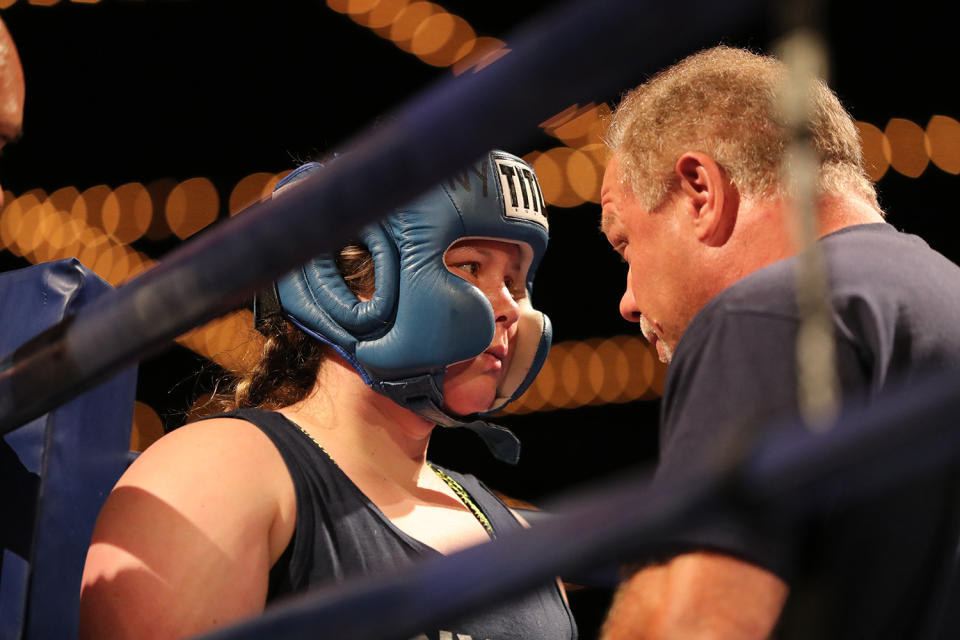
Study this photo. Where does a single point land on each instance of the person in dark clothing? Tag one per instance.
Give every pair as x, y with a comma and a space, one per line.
318, 473
695, 201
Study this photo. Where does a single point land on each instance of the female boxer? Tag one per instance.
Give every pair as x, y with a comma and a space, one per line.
320, 473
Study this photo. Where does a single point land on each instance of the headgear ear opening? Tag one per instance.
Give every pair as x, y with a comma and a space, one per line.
423, 318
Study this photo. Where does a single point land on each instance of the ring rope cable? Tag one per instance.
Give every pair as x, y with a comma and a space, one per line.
818, 393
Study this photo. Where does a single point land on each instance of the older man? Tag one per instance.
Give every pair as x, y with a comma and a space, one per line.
695, 203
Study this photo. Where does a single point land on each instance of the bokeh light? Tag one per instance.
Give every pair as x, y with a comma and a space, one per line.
159, 191
50, 231
127, 212
73, 229
551, 170
244, 345
655, 389
584, 176
531, 400
484, 52
642, 368
108, 261
60, 230
542, 388
89, 206
272, 184
30, 234
64, 199
943, 140
351, 7
408, 20
876, 150
550, 124
93, 244
594, 372
138, 264
908, 152
616, 369
381, 16
443, 39
11, 220
576, 370
556, 394
249, 190
577, 126
147, 427
192, 206
195, 340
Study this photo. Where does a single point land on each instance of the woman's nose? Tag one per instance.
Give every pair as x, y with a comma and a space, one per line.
505, 308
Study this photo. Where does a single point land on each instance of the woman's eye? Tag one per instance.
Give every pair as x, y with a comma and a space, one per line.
471, 268
516, 289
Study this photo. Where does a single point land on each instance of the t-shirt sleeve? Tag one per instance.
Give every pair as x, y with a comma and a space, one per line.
734, 374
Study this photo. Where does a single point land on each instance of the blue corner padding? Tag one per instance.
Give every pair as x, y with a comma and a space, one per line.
66, 462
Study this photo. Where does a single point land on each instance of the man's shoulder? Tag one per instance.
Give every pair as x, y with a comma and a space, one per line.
894, 301
861, 260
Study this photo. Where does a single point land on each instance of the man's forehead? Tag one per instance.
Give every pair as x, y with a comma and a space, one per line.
611, 196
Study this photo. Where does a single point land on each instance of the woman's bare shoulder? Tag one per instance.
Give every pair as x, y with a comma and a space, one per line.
230, 454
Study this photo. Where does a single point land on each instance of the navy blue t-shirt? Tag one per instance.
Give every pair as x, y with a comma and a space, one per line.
871, 570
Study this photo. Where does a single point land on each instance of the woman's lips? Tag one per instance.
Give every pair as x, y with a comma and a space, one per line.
493, 359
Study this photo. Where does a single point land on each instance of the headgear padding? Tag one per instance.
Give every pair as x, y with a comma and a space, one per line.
423, 318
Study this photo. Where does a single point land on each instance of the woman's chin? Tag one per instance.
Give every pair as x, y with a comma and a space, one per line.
469, 400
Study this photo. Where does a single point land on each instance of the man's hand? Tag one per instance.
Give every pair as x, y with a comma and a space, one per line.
697, 595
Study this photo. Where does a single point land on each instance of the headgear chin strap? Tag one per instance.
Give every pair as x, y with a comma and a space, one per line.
423, 318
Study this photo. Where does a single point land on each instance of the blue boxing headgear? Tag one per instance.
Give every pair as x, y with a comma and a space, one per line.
423, 318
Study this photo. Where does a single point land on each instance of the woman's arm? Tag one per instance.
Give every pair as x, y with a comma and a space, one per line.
186, 539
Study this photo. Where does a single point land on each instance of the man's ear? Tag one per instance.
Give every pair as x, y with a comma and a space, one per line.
710, 198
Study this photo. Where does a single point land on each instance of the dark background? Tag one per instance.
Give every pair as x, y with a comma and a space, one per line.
134, 91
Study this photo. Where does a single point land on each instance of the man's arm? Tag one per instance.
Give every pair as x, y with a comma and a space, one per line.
697, 595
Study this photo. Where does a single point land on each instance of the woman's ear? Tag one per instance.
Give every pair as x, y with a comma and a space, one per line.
710, 197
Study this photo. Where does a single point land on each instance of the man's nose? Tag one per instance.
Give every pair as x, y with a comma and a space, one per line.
628, 306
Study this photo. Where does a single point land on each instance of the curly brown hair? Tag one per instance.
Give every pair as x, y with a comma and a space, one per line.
287, 369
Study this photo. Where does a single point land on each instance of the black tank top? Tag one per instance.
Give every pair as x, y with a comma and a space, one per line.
341, 534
